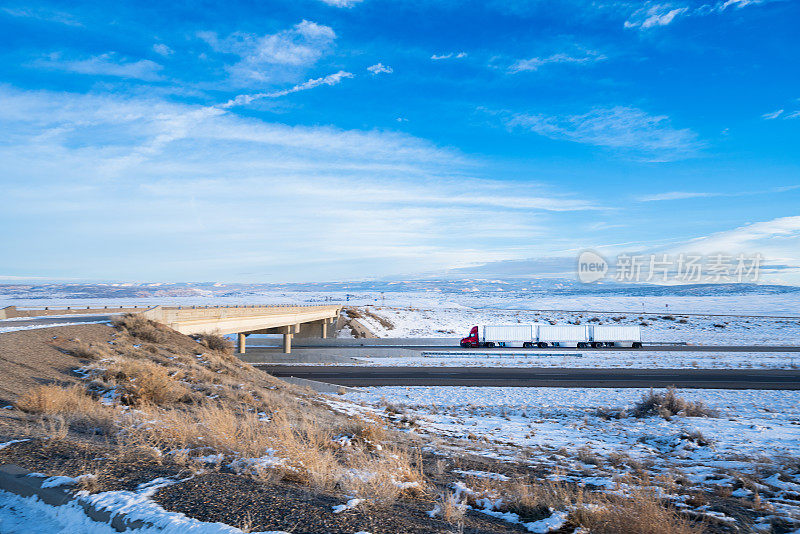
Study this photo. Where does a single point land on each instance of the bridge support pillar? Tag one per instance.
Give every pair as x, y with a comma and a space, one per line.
324, 329
241, 343
287, 342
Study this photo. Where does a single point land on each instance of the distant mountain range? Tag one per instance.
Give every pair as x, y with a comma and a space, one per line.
543, 286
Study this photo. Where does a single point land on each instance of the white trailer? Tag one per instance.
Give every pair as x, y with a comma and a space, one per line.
563, 335
509, 335
558, 335
615, 336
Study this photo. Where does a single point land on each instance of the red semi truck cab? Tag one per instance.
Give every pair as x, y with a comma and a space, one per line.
472, 339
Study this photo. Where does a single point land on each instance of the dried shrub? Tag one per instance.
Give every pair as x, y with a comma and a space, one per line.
66, 407
640, 513
607, 414
142, 328
531, 500
215, 342
52, 399
86, 351
668, 404
142, 382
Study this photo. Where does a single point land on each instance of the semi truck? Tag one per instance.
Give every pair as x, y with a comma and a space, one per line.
553, 335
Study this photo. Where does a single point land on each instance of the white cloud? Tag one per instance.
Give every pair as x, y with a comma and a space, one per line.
793, 115
777, 240
654, 15
738, 4
773, 115
534, 63
379, 68
267, 58
162, 49
342, 3
331, 79
273, 201
674, 195
451, 55
631, 130
43, 14
681, 195
104, 65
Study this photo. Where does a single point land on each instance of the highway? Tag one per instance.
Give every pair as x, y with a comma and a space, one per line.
542, 377
424, 344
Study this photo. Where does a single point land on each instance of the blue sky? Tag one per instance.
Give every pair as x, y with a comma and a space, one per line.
340, 139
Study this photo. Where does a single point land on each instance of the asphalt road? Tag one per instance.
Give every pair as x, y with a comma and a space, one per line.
540, 377
398, 343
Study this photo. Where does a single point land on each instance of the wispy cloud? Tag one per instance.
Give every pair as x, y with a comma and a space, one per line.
625, 129
776, 239
109, 64
176, 171
653, 15
738, 4
535, 63
681, 195
342, 3
331, 79
451, 55
265, 58
162, 49
675, 195
47, 15
380, 68
772, 115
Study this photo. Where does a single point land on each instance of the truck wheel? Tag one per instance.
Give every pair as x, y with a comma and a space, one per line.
542, 345
581, 345
465, 345
636, 345
526, 345
490, 344
596, 345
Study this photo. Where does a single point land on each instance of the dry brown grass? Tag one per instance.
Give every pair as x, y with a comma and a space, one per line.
139, 327
65, 408
668, 404
144, 382
86, 351
301, 447
53, 400
530, 499
451, 509
216, 342
639, 513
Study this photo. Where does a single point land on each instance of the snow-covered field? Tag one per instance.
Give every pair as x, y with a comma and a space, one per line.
29, 515
667, 327
593, 359
438, 313
501, 296
753, 446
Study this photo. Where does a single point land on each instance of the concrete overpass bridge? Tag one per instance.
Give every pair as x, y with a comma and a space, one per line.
305, 321
290, 321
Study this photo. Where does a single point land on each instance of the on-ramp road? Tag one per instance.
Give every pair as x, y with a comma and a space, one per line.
540, 377
53, 320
